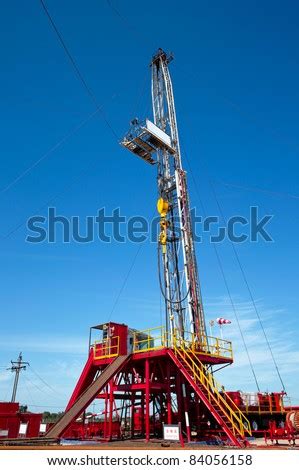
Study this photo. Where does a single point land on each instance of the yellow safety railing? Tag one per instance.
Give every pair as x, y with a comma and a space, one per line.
149, 340
261, 404
156, 338
106, 348
239, 422
208, 345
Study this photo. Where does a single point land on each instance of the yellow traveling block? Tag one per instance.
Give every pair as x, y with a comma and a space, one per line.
162, 207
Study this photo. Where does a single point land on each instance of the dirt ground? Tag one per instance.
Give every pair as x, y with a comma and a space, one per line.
256, 444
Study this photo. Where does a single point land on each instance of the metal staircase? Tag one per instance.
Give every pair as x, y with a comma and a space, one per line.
232, 421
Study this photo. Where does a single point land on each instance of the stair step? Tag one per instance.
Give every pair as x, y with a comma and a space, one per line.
208, 390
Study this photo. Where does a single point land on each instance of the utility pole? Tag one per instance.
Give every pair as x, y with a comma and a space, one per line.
16, 367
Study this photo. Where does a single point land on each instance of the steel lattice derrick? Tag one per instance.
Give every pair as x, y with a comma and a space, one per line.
158, 143
181, 280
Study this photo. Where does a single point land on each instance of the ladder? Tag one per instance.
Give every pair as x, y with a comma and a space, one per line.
231, 419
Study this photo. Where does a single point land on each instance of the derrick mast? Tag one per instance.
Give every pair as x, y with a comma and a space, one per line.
158, 144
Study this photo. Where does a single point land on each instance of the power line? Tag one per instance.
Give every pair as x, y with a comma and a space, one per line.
76, 68
257, 189
139, 97
42, 390
237, 318
127, 276
58, 195
44, 382
94, 99
125, 281
98, 108
46, 406
48, 153
249, 290
225, 280
28, 391
37, 387
126, 22
235, 106
66, 188
243, 275
8, 388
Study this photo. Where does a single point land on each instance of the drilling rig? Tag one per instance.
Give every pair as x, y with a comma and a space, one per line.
158, 144
162, 375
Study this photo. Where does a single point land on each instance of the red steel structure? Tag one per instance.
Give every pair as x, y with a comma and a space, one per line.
156, 382
11, 419
289, 431
163, 374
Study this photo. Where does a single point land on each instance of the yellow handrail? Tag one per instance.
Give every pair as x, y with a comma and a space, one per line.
106, 349
157, 338
151, 339
209, 345
238, 420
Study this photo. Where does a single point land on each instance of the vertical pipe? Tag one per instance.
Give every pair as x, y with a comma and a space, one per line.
221, 332
105, 413
169, 413
186, 412
179, 397
154, 415
162, 414
198, 417
132, 415
142, 413
147, 400
110, 408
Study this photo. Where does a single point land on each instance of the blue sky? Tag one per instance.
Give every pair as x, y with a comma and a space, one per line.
235, 77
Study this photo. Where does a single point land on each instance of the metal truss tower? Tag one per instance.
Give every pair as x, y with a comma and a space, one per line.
158, 143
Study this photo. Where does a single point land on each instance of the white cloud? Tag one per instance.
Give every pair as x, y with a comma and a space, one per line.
44, 343
5, 376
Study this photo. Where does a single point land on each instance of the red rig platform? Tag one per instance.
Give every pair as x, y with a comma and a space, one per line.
147, 378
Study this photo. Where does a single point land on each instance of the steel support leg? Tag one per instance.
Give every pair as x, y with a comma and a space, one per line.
147, 400
169, 412
110, 409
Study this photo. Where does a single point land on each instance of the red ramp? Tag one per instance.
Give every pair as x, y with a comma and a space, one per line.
87, 397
